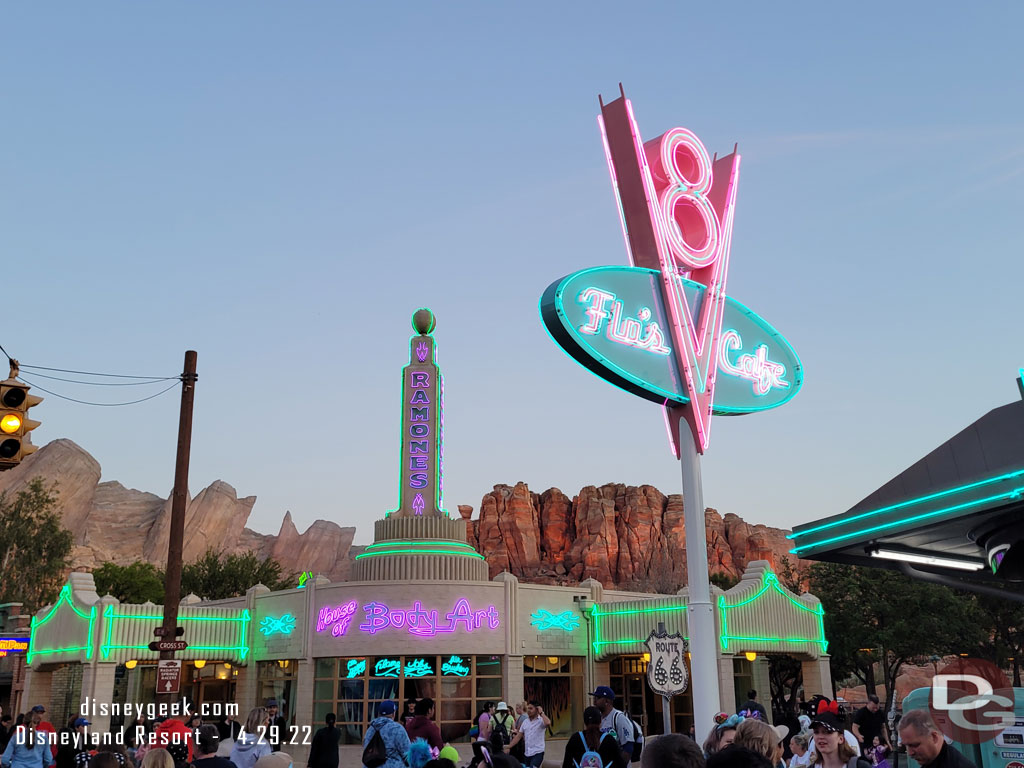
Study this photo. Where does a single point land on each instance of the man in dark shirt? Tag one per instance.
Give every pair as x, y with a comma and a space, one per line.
323, 752
753, 705
422, 726
868, 722
925, 743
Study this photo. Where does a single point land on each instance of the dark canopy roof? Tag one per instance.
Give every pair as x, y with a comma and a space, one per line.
932, 508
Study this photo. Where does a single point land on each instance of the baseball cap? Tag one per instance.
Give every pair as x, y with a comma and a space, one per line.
449, 753
80, 721
387, 708
275, 760
38, 708
827, 716
502, 705
591, 715
603, 692
271, 703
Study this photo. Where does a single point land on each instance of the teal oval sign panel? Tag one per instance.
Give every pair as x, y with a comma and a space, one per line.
612, 320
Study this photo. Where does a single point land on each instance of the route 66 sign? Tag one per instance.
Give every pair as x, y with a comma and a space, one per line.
666, 671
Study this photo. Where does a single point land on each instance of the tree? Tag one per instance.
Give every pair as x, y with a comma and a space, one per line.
216, 575
1003, 643
789, 576
136, 583
786, 675
35, 546
885, 617
723, 581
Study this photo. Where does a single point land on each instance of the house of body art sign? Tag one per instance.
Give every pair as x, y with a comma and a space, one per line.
353, 618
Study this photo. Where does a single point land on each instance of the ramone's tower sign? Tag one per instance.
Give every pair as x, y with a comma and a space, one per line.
418, 540
421, 482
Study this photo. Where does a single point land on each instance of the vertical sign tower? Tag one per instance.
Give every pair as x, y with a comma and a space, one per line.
417, 539
664, 328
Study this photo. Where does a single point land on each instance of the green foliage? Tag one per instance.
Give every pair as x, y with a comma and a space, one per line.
215, 576
723, 580
135, 583
882, 616
789, 577
35, 546
1003, 641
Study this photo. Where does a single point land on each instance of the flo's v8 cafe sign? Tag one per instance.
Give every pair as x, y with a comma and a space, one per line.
664, 328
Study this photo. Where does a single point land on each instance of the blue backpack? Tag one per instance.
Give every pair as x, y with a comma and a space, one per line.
590, 758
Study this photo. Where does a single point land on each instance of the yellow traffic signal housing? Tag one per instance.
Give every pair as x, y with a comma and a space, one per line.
14, 422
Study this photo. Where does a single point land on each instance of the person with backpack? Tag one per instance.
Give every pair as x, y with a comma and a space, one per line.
590, 748
385, 742
531, 733
502, 726
616, 720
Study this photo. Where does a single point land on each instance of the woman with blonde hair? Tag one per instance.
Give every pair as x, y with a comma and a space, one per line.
252, 743
761, 738
158, 757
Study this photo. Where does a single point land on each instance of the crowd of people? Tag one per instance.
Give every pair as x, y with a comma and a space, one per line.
504, 737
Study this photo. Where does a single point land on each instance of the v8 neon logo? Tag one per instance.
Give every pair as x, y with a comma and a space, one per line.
677, 209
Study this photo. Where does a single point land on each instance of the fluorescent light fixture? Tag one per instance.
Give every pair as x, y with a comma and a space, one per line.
936, 560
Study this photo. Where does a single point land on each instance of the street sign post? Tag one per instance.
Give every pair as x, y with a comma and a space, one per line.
168, 676
666, 671
161, 632
168, 645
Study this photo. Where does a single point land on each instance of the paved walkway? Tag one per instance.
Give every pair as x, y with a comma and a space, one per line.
351, 754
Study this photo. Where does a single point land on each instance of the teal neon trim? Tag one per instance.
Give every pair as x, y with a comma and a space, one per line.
675, 397
596, 613
456, 553
432, 542
771, 581
242, 620
909, 503
65, 596
1015, 493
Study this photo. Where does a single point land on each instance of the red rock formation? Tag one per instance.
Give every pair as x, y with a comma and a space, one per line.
623, 536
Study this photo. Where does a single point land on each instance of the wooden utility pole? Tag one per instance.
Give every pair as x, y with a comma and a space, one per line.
179, 499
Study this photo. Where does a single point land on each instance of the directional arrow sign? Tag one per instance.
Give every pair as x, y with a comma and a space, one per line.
161, 632
168, 645
168, 675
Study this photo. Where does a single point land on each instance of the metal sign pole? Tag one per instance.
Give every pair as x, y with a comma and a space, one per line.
700, 616
666, 701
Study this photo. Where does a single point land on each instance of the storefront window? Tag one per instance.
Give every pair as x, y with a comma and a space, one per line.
276, 680
629, 681
557, 683
353, 688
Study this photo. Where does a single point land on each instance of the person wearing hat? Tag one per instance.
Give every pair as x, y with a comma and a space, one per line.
396, 740
503, 725
613, 719
278, 726
46, 727
766, 740
831, 749
590, 739
74, 744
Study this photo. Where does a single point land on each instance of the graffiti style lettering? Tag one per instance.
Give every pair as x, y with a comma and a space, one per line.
621, 330
337, 618
455, 666
426, 623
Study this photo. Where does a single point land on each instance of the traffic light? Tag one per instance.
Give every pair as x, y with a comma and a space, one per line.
14, 422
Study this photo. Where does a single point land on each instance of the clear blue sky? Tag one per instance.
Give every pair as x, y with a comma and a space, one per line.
280, 185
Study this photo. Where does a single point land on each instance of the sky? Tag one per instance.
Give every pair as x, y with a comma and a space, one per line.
279, 186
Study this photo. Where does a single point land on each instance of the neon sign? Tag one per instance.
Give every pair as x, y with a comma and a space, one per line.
9, 645
664, 328
566, 620
621, 331
337, 619
421, 488
356, 667
757, 368
303, 578
418, 668
455, 666
284, 624
426, 623
387, 668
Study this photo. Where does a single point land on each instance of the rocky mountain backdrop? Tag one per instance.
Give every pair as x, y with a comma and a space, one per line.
623, 536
